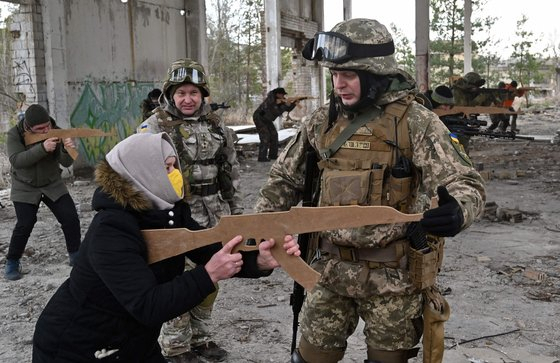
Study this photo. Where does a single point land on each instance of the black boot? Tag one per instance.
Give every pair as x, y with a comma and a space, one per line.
263, 150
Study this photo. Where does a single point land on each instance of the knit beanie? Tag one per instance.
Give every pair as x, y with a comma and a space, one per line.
443, 95
36, 115
140, 158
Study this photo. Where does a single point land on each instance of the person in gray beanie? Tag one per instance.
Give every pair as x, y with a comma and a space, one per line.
36, 178
114, 303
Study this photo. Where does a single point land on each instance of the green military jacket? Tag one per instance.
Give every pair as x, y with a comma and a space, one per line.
34, 170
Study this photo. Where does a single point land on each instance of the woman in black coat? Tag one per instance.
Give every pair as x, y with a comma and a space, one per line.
112, 306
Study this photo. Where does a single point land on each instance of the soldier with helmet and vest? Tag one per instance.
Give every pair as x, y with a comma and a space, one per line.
211, 174
376, 146
467, 92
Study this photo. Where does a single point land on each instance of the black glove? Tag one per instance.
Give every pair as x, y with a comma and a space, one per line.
445, 220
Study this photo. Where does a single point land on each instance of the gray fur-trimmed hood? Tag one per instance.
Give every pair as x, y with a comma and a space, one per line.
120, 189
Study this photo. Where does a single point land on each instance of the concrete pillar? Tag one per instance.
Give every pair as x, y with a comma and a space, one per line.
467, 65
347, 9
272, 47
195, 28
422, 44
55, 67
28, 57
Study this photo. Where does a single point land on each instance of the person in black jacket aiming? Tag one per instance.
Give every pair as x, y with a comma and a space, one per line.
274, 105
114, 303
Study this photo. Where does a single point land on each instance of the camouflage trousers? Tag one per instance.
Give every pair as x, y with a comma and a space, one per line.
191, 329
391, 322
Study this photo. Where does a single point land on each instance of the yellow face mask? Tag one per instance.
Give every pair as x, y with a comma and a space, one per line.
176, 180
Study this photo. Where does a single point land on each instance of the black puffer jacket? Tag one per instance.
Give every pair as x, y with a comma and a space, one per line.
113, 299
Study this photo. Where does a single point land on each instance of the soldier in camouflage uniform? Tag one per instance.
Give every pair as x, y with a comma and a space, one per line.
399, 155
466, 92
211, 174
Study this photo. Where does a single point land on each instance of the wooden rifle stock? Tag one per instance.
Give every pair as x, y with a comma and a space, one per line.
294, 99
166, 243
475, 110
32, 138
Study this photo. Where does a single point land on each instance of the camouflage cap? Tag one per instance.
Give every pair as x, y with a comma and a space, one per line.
186, 71
474, 79
366, 31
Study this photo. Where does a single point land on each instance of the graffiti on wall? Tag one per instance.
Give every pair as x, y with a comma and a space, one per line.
22, 78
109, 107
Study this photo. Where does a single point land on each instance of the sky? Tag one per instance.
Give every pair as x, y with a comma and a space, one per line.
542, 14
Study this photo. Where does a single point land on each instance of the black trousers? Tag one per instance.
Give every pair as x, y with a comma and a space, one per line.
66, 214
268, 136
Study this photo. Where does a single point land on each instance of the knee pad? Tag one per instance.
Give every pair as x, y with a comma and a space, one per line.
313, 354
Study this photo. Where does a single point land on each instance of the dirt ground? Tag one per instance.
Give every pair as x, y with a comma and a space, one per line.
501, 276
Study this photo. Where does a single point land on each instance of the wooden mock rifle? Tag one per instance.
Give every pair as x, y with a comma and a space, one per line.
294, 99
166, 243
32, 138
475, 110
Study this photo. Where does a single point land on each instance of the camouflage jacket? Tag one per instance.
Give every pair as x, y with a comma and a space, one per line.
436, 158
201, 141
465, 94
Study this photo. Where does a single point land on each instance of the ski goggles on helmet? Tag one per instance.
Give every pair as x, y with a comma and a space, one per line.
185, 74
338, 48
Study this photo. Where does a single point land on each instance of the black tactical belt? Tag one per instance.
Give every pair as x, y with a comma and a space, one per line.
204, 189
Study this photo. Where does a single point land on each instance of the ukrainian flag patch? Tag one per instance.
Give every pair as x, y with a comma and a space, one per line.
459, 149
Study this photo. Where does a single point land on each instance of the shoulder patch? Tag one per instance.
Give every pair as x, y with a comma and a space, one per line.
460, 149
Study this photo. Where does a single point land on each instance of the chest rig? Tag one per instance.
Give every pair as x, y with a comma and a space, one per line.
222, 182
366, 161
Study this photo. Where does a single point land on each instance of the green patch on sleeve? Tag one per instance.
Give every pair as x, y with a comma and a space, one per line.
460, 149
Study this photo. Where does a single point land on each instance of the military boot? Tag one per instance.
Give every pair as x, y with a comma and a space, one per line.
13, 270
210, 351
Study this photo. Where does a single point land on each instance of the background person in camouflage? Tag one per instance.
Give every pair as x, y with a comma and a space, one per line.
211, 175
274, 105
467, 92
363, 269
150, 103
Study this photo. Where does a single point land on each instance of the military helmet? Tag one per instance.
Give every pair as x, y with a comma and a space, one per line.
357, 44
474, 79
186, 71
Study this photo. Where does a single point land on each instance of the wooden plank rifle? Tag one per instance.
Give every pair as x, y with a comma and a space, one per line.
32, 138
475, 110
293, 99
166, 243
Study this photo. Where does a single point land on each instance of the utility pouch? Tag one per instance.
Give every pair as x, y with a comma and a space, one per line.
399, 191
224, 177
352, 187
436, 313
345, 187
422, 267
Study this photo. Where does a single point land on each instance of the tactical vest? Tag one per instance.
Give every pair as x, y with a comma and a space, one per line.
224, 182
363, 170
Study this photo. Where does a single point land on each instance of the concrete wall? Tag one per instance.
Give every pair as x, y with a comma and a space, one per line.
91, 62
298, 22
